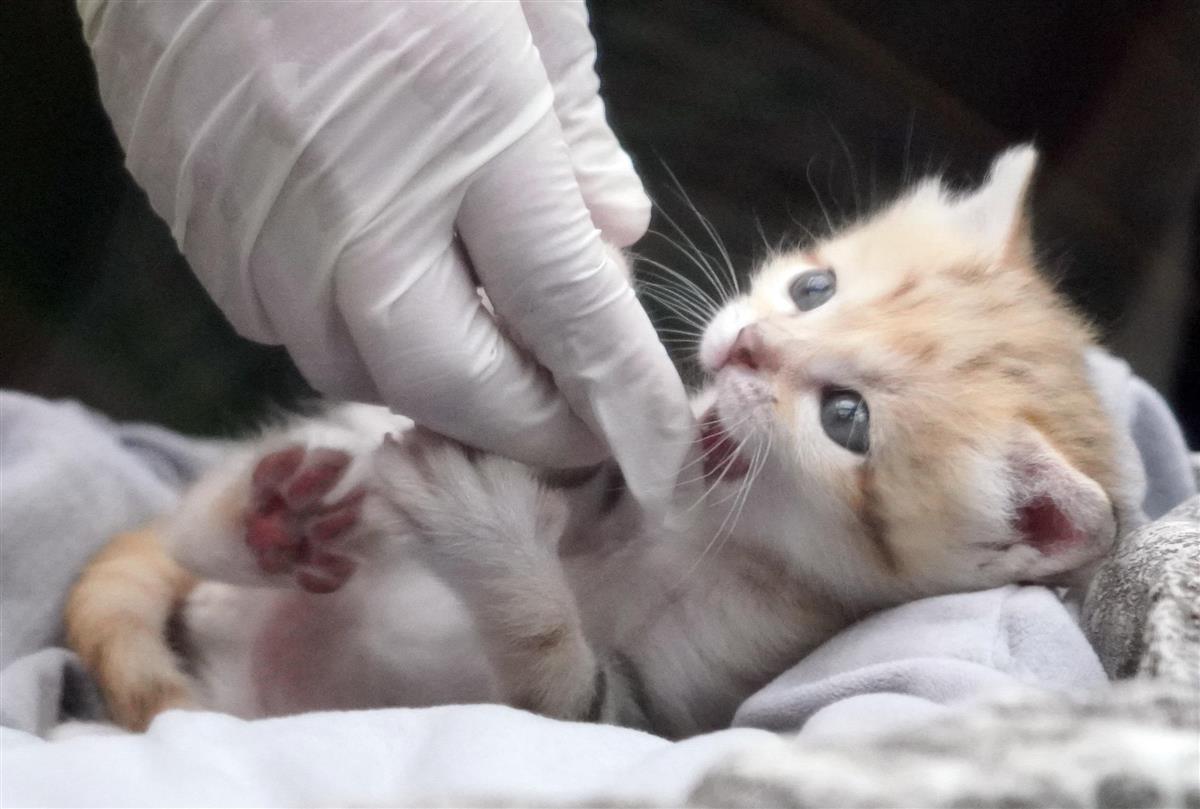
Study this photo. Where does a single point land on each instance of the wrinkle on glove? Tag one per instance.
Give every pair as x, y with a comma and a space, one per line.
340, 174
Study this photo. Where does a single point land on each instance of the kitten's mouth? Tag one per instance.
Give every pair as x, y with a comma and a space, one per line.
720, 450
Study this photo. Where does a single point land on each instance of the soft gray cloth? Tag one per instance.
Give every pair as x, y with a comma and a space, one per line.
911, 663
1133, 745
69, 480
39, 689
1142, 611
78, 478
1156, 455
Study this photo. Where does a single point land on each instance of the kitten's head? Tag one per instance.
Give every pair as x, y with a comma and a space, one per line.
924, 396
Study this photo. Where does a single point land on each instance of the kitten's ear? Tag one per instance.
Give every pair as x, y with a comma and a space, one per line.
1059, 517
997, 214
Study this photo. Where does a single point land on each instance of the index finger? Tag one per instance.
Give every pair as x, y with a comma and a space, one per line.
551, 280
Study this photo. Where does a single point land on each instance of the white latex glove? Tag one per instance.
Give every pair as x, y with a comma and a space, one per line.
315, 162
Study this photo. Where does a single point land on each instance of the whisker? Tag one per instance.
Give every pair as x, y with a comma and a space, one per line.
701, 457
681, 334
693, 321
709, 229
833, 194
817, 194
665, 295
691, 286
717, 537
757, 461
685, 316
682, 295
722, 471
850, 162
812, 236
696, 256
905, 165
755, 470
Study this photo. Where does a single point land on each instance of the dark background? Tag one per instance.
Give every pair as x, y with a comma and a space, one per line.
770, 114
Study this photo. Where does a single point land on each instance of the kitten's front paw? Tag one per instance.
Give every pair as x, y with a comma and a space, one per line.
456, 500
292, 526
431, 481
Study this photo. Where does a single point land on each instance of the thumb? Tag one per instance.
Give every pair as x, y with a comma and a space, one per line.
438, 356
552, 282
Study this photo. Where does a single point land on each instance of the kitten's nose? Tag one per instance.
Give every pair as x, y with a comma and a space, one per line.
749, 350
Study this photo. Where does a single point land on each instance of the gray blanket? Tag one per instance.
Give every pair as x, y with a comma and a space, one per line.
69, 479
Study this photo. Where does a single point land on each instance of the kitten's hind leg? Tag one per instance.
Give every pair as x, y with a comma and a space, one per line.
117, 617
287, 510
491, 530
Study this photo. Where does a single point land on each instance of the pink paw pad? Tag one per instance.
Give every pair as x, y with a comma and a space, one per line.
289, 526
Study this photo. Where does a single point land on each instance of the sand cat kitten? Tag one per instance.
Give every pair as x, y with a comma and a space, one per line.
899, 410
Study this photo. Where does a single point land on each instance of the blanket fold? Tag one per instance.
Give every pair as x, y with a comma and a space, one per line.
72, 478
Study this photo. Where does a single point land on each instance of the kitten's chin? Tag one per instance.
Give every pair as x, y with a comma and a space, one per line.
741, 402
721, 457
744, 400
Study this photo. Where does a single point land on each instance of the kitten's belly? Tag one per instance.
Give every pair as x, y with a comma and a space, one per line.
394, 638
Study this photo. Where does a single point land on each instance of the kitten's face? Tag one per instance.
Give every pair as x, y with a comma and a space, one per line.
923, 396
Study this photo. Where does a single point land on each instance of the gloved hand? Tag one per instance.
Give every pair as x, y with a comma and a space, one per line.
341, 176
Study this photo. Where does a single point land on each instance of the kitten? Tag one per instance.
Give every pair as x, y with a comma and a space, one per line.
897, 411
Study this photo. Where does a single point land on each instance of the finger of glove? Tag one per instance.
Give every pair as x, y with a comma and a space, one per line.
550, 278
438, 356
603, 170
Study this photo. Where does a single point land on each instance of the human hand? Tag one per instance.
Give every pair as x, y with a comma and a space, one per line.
341, 176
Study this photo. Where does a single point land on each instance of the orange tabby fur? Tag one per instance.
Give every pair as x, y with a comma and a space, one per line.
917, 315
117, 618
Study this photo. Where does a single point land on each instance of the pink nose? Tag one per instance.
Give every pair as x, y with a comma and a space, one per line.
748, 349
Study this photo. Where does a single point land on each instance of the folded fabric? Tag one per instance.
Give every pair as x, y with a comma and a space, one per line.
1152, 448
913, 662
72, 478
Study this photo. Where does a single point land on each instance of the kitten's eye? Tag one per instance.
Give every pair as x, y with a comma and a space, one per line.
811, 289
846, 419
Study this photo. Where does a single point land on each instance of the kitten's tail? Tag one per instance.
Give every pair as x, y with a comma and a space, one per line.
118, 616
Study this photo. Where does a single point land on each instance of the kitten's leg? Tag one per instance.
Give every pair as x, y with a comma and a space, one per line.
492, 531
286, 510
